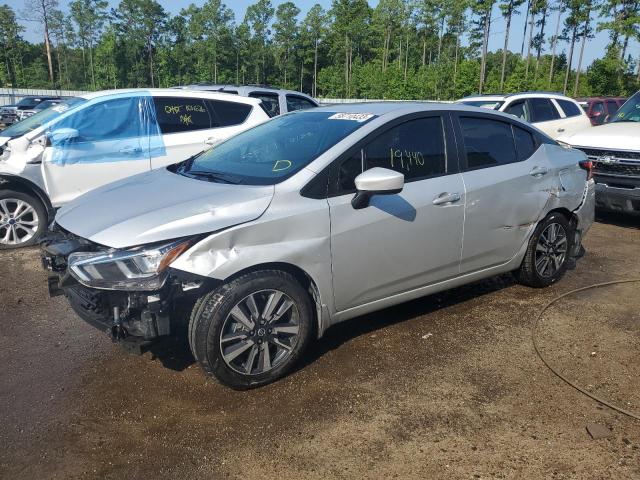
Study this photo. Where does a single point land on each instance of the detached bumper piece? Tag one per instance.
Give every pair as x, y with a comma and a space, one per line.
623, 199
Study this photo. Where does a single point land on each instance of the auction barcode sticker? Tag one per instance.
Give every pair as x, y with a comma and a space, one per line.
358, 117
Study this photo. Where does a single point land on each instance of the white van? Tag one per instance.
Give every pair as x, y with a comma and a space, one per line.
86, 142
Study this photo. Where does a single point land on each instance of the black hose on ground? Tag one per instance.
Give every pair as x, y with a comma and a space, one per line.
534, 336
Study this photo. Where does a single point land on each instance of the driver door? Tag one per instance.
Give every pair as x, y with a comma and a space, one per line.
105, 142
404, 241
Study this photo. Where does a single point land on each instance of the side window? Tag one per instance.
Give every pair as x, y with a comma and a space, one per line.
518, 109
488, 143
525, 143
298, 103
570, 109
109, 120
415, 148
228, 113
177, 115
612, 107
597, 108
270, 102
542, 110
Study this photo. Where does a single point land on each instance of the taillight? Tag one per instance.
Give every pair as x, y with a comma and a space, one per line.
588, 166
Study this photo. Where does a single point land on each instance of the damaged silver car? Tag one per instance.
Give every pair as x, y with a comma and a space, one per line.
251, 250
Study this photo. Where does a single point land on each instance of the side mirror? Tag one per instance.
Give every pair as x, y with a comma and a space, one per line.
376, 181
62, 135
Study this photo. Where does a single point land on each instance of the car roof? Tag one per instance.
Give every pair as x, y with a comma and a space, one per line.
172, 92
243, 89
500, 97
396, 108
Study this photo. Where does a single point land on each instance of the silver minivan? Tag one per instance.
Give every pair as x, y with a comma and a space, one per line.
257, 246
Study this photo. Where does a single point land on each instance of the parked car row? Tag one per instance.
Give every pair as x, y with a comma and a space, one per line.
51, 158
14, 113
251, 249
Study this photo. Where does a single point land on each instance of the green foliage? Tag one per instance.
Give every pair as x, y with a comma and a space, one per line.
401, 49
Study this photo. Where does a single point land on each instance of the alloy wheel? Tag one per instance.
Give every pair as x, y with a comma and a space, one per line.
18, 221
551, 250
260, 332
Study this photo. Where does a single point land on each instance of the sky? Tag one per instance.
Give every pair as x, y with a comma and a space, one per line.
595, 48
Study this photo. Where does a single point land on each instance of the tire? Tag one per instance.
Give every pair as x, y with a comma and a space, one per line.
547, 256
268, 350
25, 229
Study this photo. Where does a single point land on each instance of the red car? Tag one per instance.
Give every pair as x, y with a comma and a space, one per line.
599, 109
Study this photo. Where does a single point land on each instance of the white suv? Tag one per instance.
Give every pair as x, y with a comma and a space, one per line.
552, 113
64, 151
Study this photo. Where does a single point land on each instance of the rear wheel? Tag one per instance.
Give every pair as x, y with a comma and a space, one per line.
23, 219
547, 254
253, 330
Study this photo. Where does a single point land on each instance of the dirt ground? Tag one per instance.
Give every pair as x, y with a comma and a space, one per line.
448, 386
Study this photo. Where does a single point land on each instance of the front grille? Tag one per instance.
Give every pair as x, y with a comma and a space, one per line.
625, 169
619, 164
594, 153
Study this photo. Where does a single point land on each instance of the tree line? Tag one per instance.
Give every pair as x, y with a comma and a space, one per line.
402, 49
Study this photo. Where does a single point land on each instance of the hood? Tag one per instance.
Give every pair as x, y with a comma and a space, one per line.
160, 205
615, 136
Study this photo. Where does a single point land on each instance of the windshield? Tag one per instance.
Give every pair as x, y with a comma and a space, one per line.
275, 150
46, 104
630, 111
494, 104
37, 120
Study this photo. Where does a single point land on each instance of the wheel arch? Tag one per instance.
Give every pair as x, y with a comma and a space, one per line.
300, 275
23, 185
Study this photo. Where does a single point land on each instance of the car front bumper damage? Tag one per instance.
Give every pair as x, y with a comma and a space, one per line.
136, 319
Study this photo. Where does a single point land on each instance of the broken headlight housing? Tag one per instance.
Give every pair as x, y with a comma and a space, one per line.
136, 269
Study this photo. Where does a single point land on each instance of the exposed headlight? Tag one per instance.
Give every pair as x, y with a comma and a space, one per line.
141, 268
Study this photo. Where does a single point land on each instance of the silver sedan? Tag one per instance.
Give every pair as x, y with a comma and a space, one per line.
314, 218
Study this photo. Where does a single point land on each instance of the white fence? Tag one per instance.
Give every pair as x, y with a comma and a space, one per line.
10, 96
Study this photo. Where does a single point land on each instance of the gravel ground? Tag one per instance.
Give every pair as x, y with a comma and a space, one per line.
447, 386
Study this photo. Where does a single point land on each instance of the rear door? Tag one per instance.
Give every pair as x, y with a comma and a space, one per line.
574, 117
506, 176
190, 125
404, 241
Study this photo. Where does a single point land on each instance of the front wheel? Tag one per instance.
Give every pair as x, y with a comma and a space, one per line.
23, 219
547, 254
253, 330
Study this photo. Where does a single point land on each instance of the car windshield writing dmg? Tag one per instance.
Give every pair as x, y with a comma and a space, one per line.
275, 150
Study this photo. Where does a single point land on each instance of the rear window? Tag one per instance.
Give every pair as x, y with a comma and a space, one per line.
542, 110
229, 113
488, 143
570, 109
525, 143
298, 103
270, 101
176, 115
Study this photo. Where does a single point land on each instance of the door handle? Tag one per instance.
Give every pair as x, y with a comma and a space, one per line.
538, 171
561, 130
128, 150
446, 198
